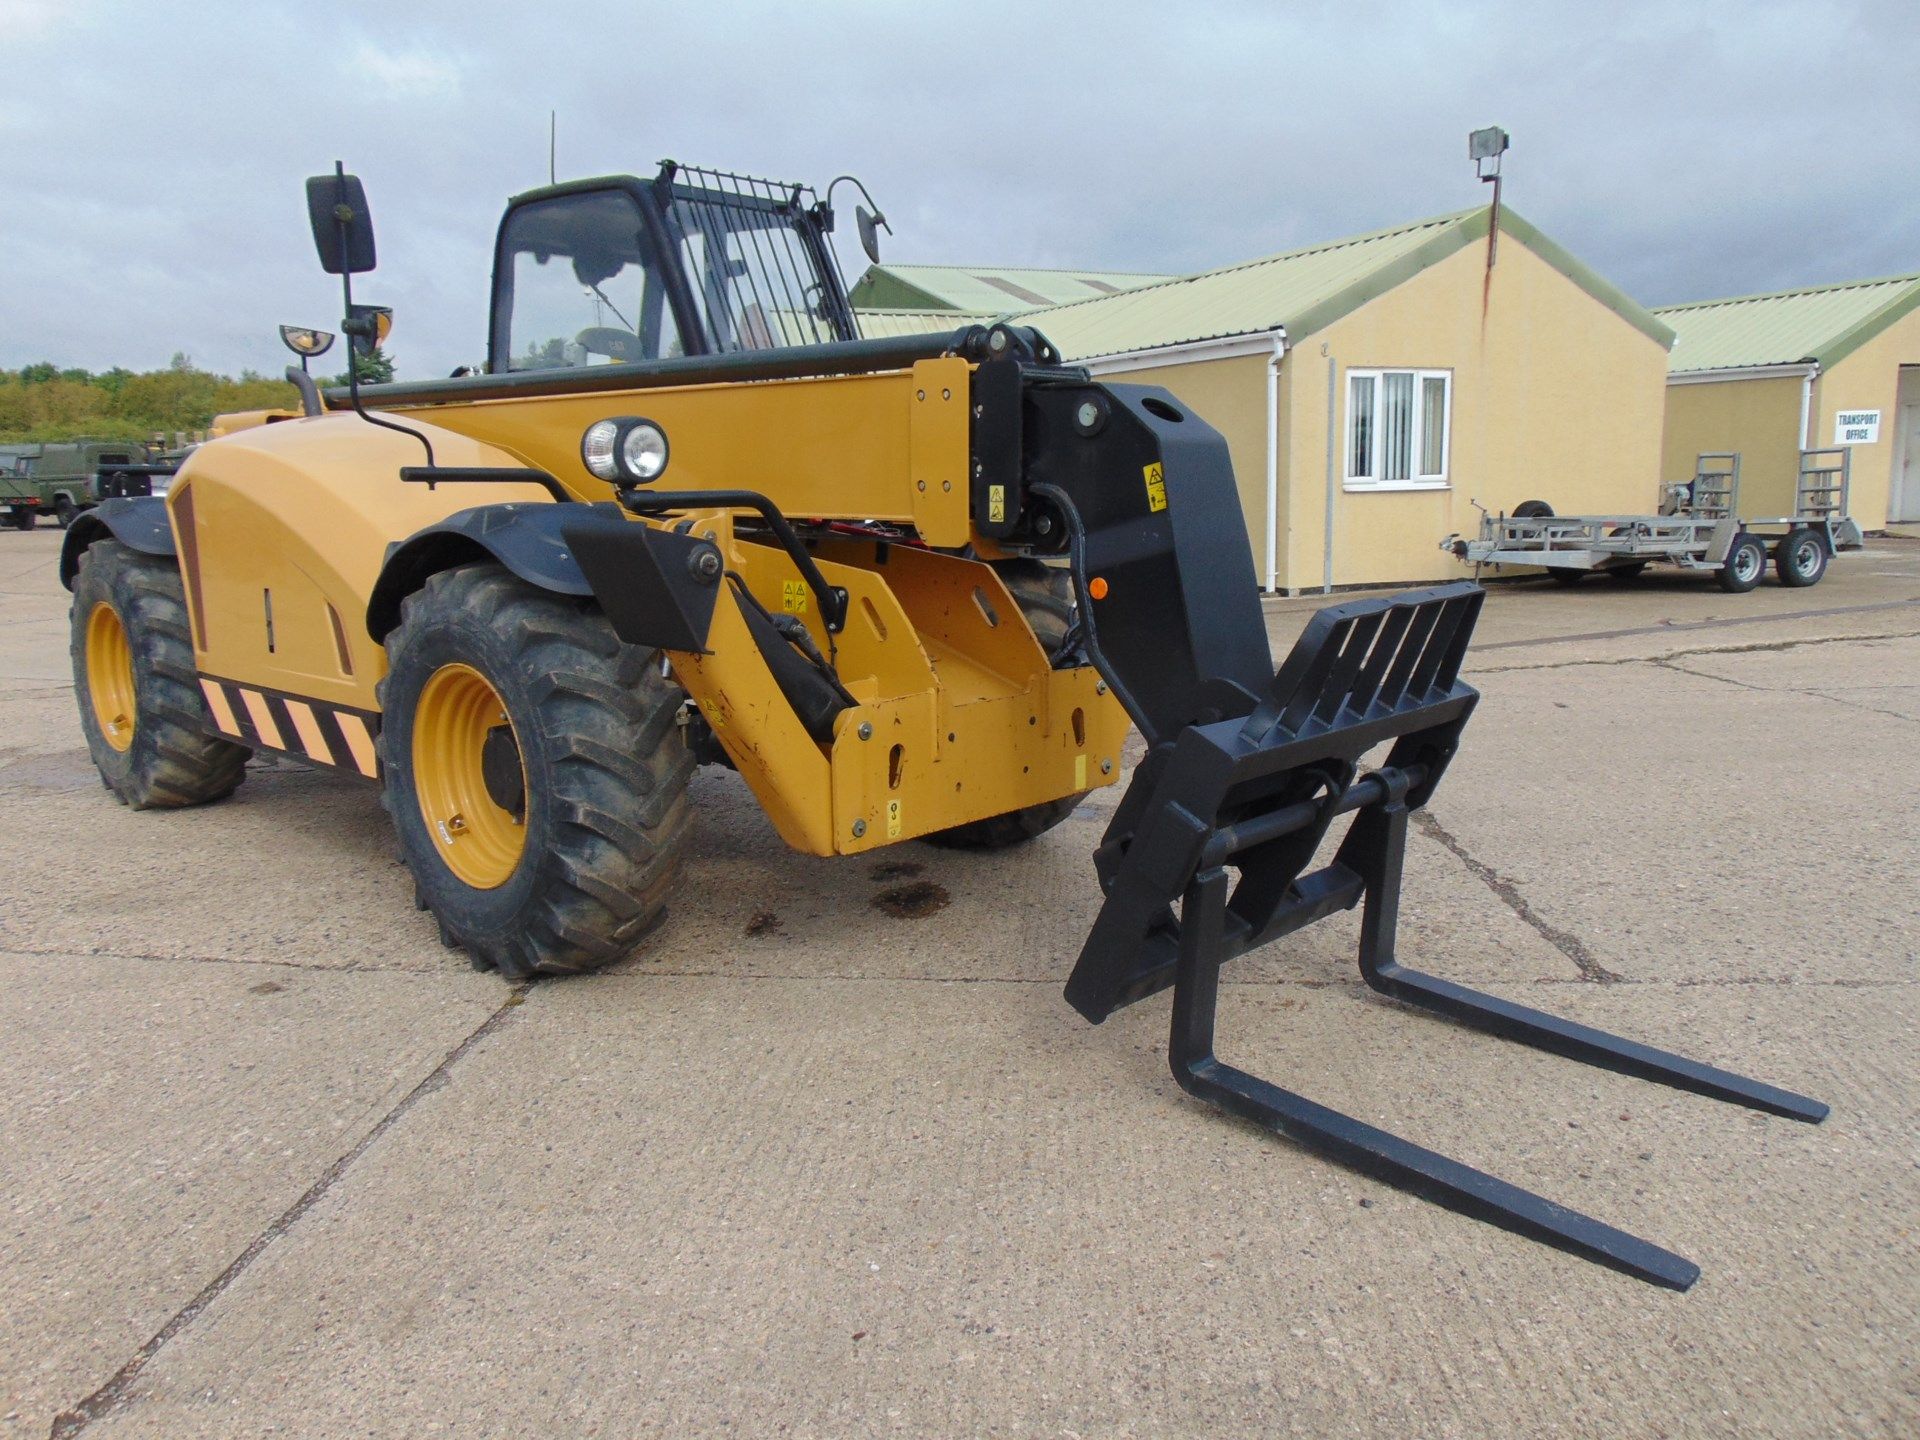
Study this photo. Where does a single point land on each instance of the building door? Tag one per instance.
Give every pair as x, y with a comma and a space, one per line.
1904, 503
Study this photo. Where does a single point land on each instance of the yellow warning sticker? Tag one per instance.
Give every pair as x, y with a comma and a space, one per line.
793, 593
1080, 772
1156, 486
996, 503
893, 819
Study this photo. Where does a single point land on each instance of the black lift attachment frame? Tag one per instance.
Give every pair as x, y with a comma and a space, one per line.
1256, 794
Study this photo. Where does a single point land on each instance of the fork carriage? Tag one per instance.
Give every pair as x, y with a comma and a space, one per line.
1256, 793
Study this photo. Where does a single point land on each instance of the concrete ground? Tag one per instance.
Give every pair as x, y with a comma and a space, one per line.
275, 1162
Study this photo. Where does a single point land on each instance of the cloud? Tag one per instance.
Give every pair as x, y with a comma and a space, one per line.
1684, 151
407, 74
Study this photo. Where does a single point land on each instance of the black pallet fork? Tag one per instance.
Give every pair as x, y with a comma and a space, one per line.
1256, 794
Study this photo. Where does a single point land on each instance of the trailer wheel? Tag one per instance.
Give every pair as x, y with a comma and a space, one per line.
1801, 558
1623, 573
1044, 594
1565, 574
533, 771
1533, 510
1746, 562
141, 707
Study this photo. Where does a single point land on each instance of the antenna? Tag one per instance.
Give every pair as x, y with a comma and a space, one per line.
553, 137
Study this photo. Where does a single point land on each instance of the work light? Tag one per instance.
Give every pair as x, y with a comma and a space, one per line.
624, 447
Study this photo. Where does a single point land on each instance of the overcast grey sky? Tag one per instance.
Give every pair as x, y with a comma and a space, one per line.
151, 154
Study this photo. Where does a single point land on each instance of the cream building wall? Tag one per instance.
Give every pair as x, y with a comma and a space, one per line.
1761, 419
1555, 397
1869, 379
1758, 418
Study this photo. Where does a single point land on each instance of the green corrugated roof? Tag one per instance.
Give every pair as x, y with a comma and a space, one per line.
880, 324
1302, 290
984, 289
1788, 326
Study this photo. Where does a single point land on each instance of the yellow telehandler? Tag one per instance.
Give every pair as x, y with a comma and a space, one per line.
910, 589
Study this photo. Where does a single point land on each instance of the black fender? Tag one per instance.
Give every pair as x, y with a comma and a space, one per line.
657, 588
139, 523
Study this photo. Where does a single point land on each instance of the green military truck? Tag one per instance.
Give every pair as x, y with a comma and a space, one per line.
60, 479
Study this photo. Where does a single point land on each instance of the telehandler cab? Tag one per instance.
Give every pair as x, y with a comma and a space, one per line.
909, 588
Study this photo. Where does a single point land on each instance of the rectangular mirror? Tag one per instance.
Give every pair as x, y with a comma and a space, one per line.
345, 249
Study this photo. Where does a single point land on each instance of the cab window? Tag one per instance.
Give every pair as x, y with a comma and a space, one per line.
580, 286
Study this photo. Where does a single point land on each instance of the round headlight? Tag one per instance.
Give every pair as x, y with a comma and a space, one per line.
643, 451
624, 449
597, 449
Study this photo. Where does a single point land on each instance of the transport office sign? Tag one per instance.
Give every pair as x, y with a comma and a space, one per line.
1856, 427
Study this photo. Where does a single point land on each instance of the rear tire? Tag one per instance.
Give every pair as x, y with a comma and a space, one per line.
1801, 558
600, 786
1045, 596
1565, 575
21, 518
1620, 574
141, 706
1746, 562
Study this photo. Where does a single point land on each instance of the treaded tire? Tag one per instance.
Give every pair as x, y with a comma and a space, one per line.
66, 512
605, 763
1746, 562
1566, 575
174, 759
1800, 559
1045, 596
21, 518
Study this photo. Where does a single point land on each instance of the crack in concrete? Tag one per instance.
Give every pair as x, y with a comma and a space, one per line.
73, 953
1810, 694
1567, 943
72, 1421
1758, 647
1682, 626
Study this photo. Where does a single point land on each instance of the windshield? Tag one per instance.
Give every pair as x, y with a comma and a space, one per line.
583, 287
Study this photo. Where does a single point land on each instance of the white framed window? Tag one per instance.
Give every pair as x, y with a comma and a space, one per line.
1399, 423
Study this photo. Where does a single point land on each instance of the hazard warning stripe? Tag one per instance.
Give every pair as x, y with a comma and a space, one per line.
300, 726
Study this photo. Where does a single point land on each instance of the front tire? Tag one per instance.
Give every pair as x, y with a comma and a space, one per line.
1044, 594
141, 707
65, 511
534, 772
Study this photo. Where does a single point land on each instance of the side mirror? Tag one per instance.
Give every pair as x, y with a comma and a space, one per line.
869, 225
342, 224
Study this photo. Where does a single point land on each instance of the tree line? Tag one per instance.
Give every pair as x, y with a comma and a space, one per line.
45, 403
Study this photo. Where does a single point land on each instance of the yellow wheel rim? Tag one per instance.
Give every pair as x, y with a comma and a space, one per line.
110, 675
479, 839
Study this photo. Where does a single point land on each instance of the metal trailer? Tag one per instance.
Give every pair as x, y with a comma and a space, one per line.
1701, 529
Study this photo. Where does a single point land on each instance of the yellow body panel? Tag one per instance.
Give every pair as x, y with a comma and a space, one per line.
290, 518
891, 446
964, 718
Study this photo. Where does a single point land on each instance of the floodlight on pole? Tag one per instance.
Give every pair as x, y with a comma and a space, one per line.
1485, 148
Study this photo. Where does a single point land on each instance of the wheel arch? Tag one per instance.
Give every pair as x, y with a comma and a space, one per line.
525, 538
139, 523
